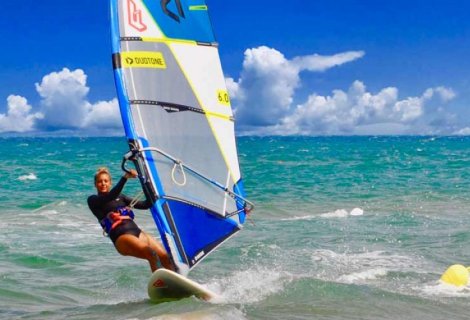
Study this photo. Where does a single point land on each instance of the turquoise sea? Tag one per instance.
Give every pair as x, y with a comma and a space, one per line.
344, 228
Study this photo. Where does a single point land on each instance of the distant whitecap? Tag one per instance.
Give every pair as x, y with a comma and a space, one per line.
30, 176
340, 213
357, 212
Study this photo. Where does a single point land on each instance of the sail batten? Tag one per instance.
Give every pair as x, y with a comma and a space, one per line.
178, 121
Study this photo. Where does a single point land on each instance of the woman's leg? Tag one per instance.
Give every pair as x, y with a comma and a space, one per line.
130, 245
158, 248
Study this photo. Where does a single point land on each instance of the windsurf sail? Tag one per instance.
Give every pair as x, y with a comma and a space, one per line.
179, 124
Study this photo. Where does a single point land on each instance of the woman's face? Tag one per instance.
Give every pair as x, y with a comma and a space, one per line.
103, 183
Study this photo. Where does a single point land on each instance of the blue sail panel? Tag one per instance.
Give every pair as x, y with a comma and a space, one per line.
202, 236
182, 19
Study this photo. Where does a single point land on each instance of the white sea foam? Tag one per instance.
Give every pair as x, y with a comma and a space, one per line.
442, 289
370, 274
73, 225
343, 213
52, 204
360, 267
306, 217
357, 212
340, 213
48, 212
30, 176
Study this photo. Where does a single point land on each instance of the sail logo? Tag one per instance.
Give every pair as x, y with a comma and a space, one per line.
159, 283
171, 14
135, 16
143, 59
198, 256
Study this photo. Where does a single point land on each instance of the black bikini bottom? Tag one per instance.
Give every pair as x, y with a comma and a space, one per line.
126, 227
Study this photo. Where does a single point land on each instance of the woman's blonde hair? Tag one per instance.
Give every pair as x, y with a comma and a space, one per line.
100, 171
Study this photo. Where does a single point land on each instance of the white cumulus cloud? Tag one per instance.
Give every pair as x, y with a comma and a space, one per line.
64, 99
18, 117
264, 95
64, 106
103, 114
344, 112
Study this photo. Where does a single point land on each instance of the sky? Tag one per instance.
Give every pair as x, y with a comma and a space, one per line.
298, 67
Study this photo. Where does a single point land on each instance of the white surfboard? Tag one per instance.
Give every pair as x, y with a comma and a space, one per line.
166, 285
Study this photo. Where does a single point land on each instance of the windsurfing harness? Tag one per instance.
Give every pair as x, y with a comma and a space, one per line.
115, 218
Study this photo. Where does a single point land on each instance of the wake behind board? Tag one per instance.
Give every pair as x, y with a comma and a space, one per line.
166, 285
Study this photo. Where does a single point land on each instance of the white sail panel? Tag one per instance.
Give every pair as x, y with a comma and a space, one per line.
201, 65
225, 134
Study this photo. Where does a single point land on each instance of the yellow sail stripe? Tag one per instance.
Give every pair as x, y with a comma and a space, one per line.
219, 115
169, 40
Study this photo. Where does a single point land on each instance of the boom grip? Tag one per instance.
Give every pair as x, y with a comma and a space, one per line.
125, 158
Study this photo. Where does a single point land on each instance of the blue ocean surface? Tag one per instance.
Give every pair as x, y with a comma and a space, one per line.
344, 228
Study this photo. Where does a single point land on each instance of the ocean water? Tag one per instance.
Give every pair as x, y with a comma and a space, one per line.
344, 228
